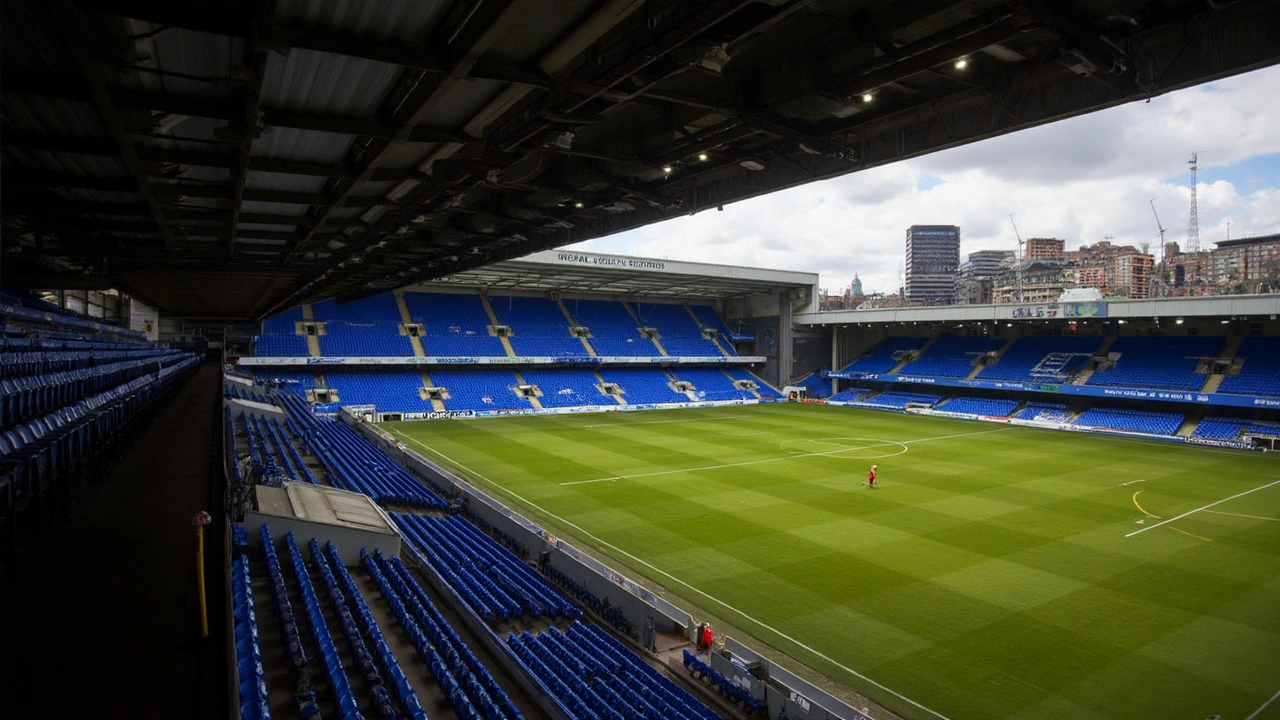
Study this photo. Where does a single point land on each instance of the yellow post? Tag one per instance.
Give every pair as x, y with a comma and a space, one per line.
202, 518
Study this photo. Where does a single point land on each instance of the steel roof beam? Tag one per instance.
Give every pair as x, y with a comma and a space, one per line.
253, 64
80, 37
61, 144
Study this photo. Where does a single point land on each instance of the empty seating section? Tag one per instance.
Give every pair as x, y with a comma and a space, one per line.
567, 388
849, 396
1155, 423
469, 687
280, 336
709, 318
454, 325
251, 676
390, 390
241, 392
365, 328
1159, 362
951, 357
1260, 371
480, 390
270, 446
353, 463
678, 332
1224, 428
733, 692
979, 406
885, 356
538, 326
488, 577
297, 379
594, 676
614, 332
763, 388
711, 384
898, 400
330, 660
1043, 412
1048, 359
643, 385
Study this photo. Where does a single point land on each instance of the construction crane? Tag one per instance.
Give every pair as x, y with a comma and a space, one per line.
1159, 281
1018, 261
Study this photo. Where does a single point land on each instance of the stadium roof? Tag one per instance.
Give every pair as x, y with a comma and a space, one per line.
594, 273
229, 158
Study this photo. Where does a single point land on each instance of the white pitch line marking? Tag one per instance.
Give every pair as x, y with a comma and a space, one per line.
1206, 507
1264, 706
673, 578
584, 482
1131, 482
1251, 517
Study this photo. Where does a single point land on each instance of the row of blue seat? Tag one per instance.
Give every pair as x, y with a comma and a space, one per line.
600, 606
470, 688
328, 651
389, 667
732, 692
25, 397
296, 651
595, 676
898, 400
379, 698
19, 364
353, 463
487, 576
251, 677
240, 392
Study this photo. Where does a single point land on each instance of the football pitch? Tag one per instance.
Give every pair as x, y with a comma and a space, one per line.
995, 572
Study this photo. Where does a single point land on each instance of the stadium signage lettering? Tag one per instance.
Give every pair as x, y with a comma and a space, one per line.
635, 263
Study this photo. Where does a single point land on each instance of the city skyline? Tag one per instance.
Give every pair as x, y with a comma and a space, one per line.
1081, 180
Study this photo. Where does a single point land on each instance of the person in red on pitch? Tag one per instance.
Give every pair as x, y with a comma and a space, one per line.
871, 477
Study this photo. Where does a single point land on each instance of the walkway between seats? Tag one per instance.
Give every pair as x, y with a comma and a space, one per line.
101, 621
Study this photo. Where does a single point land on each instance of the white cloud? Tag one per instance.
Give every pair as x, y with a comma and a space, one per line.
1081, 179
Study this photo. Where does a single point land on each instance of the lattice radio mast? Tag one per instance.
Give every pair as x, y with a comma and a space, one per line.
1193, 224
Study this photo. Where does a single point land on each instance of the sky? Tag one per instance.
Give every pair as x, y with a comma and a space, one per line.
1084, 180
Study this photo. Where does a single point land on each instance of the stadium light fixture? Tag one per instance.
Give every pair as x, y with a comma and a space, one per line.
579, 205
702, 156
1178, 321
666, 169
962, 63
867, 97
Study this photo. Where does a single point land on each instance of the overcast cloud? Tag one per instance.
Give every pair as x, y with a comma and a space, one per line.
1082, 180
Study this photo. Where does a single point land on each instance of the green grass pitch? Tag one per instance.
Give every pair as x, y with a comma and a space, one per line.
994, 573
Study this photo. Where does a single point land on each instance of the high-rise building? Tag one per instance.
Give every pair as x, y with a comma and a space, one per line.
974, 286
1045, 249
933, 257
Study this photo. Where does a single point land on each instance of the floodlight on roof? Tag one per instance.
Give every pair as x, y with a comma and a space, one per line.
666, 169
702, 156
867, 97
962, 63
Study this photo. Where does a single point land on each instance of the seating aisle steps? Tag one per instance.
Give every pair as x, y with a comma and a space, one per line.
1101, 352
911, 357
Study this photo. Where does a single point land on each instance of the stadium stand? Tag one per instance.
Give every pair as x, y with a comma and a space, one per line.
480, 390
709, 318
885, 356
390, 390
250, 675
594, 675
978, 406
643, 385
539, 328
1043, 412
454, 325
1042, 358
1154, 423
711, 383
364, 328
764, 389
567, 388
1158, 362
952, 357
614, 332
1225, 428
678, 332
851, 395
279, 336
1260, 370
898, 400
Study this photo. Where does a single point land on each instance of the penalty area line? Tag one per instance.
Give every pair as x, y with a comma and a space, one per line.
1206, 507
584, 482
1258, 712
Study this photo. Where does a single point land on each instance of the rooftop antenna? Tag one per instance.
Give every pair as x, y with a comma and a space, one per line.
1019, 259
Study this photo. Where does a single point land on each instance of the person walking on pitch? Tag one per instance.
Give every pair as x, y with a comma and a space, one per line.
871, 478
